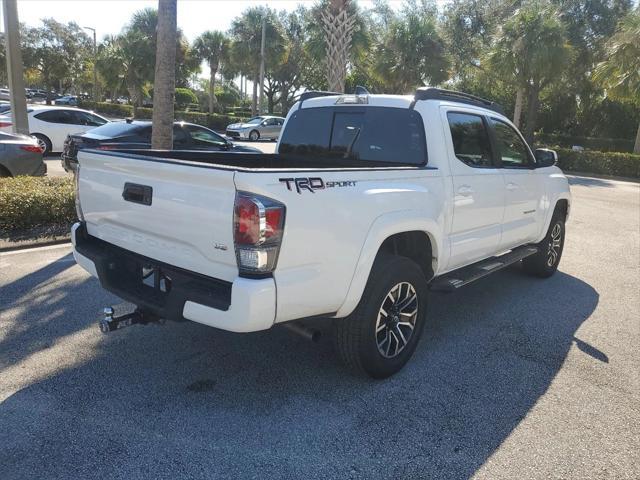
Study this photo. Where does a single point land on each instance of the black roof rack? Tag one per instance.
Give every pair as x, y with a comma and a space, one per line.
432, 93
316, 94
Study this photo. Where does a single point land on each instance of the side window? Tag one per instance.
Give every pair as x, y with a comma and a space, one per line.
56, 116
203, 137
84, 118
470, 138
512, 149
97, 120
180, 138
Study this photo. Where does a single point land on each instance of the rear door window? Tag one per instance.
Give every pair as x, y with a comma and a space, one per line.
116, 129
470, 139
180, 138
56, 116
374, 134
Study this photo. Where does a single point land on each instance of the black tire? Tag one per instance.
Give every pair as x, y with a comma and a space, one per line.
254, 135
43, 141
545, 263
4, 173
356, 338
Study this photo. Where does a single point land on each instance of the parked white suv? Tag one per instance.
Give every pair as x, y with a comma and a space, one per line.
371, 201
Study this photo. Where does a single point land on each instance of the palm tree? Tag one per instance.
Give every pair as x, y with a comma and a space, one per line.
529, 51
214, 48
338, 26
619, 74
246, 34
410, 52
165, 77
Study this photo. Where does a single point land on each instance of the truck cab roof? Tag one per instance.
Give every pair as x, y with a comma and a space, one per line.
362, 97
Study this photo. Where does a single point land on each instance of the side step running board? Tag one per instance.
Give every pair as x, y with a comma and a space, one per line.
451, 281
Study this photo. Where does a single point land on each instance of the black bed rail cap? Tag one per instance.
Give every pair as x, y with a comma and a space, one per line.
432, 93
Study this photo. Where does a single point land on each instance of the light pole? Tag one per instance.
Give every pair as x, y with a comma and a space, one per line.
261, 91
95, 60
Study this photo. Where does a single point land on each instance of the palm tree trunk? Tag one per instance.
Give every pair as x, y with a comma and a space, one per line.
636, 147
213, 101
532, 113
338, 28
270, 102
254, 100
164, 86
517, 111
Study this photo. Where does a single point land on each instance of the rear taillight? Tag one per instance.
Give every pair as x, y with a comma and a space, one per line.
106, 147
5, 124
32, 148
258, 224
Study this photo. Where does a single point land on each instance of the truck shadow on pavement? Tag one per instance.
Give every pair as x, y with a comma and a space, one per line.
185, 400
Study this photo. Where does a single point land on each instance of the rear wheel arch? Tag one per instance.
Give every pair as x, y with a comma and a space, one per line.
44, 140
4, 172
409, 232
562, 208
415, 245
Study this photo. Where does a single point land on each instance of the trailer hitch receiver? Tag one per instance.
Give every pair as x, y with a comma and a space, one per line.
109, 323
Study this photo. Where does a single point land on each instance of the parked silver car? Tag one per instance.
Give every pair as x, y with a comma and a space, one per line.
265, 127
20, 155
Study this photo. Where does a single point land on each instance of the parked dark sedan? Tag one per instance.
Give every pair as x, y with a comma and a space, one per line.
136, 134
20, 155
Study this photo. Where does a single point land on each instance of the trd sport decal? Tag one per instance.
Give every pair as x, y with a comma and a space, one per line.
314, 183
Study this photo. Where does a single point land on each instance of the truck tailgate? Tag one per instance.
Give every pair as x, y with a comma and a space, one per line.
187, 222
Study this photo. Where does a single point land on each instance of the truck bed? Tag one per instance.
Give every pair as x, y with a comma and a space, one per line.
252, 161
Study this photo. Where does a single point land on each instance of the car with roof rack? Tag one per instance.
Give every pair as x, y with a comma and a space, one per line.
370, 202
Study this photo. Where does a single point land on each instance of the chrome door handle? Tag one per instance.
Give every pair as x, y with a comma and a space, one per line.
465, 190
512, 186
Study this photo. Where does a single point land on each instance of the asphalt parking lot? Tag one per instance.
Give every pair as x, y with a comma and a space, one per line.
54, 167
515, 378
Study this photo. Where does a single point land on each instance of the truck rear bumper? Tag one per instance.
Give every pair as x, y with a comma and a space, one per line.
244, 305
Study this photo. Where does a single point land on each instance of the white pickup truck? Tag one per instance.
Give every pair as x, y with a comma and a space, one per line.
370, 202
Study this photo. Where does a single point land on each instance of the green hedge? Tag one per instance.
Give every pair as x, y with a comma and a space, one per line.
212, 120
29, 202
114, 109
601, 163
590, 143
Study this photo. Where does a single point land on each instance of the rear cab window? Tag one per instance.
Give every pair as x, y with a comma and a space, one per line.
384, 135
117, 129
470, 138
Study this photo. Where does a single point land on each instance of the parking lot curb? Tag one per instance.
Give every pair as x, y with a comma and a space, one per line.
33, 244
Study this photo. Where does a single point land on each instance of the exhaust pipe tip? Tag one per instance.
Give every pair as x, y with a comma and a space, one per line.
298, 328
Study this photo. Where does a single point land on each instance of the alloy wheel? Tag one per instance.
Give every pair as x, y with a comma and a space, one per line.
42, 144
554, 245
396, 319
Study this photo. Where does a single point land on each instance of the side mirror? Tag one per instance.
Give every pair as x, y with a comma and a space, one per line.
545, 157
